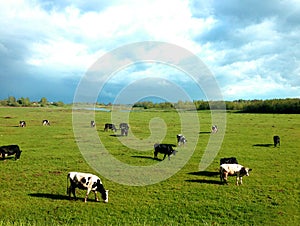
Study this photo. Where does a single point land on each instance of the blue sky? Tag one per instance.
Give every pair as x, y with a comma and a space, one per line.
252, 47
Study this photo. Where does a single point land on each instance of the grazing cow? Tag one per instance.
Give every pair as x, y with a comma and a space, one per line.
166, 149
124, 129
46, 122
22, 124
214, 129
231, 160
276, 140
233, 169
93, 124
88, 182
10, 150
181, 140
110, 126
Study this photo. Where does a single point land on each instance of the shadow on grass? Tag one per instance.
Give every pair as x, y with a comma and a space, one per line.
203, 181
8, 158
145, 157
263, 145
204, 132
50, 196
205, 173
116, 135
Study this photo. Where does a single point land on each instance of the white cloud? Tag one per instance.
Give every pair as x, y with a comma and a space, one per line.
242, 46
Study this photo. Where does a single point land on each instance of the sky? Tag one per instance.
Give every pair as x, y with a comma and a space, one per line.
251, 47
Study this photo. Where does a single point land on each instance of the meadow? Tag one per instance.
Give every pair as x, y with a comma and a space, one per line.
33, 189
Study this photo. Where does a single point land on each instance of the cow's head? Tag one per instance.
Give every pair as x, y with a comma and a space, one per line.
245, 171
104, 196
101, 189
18, 154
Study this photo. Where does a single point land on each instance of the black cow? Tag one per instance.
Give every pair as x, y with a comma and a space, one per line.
22, 124
93, 124
10, 150
110, 126
46, 122
276, 140
231, 160
124, 128
166, 149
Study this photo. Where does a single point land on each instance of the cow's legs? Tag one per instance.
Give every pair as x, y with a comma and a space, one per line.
164, 156
239, 179
96, 198
87, 194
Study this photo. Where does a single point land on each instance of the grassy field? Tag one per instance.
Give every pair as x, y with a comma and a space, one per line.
33, 189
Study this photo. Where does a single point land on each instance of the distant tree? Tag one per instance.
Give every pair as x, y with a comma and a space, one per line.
43, 102
25, 102
59, 104
11, 101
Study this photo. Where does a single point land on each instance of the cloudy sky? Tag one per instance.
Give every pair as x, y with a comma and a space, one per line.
251, 47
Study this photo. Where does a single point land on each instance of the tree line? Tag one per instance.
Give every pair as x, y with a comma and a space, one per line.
25, 102
287, 106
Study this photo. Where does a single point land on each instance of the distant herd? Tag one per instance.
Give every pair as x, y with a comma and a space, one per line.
90, 182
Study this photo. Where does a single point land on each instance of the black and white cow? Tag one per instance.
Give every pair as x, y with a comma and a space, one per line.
93, 124
110, 126
181, 140
231, 160
276, 140
88, 182
10, 150
124, 128
166, 149
22, 124
214, 129
231, 170
46, 122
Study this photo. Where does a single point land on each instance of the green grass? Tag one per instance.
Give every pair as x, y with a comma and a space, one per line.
33, 189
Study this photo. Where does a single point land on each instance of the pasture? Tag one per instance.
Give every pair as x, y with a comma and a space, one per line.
33, 189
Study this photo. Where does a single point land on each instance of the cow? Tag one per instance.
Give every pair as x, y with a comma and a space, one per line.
233, 169
93, 124
166, 149
124, 129
10, 150
214, 129
46, 122
22, 124
88, 182
110, 126
181, 140
276, 140
231, 160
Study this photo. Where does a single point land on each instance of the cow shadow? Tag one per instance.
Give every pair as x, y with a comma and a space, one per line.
116, 135
50, 196
8, 158
206, 174
263, 145
146, 157
204, 181
204, 132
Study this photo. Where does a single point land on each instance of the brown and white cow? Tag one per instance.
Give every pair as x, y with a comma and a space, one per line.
233, 169
88, 182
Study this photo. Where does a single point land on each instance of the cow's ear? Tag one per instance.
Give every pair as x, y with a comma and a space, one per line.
250, 170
